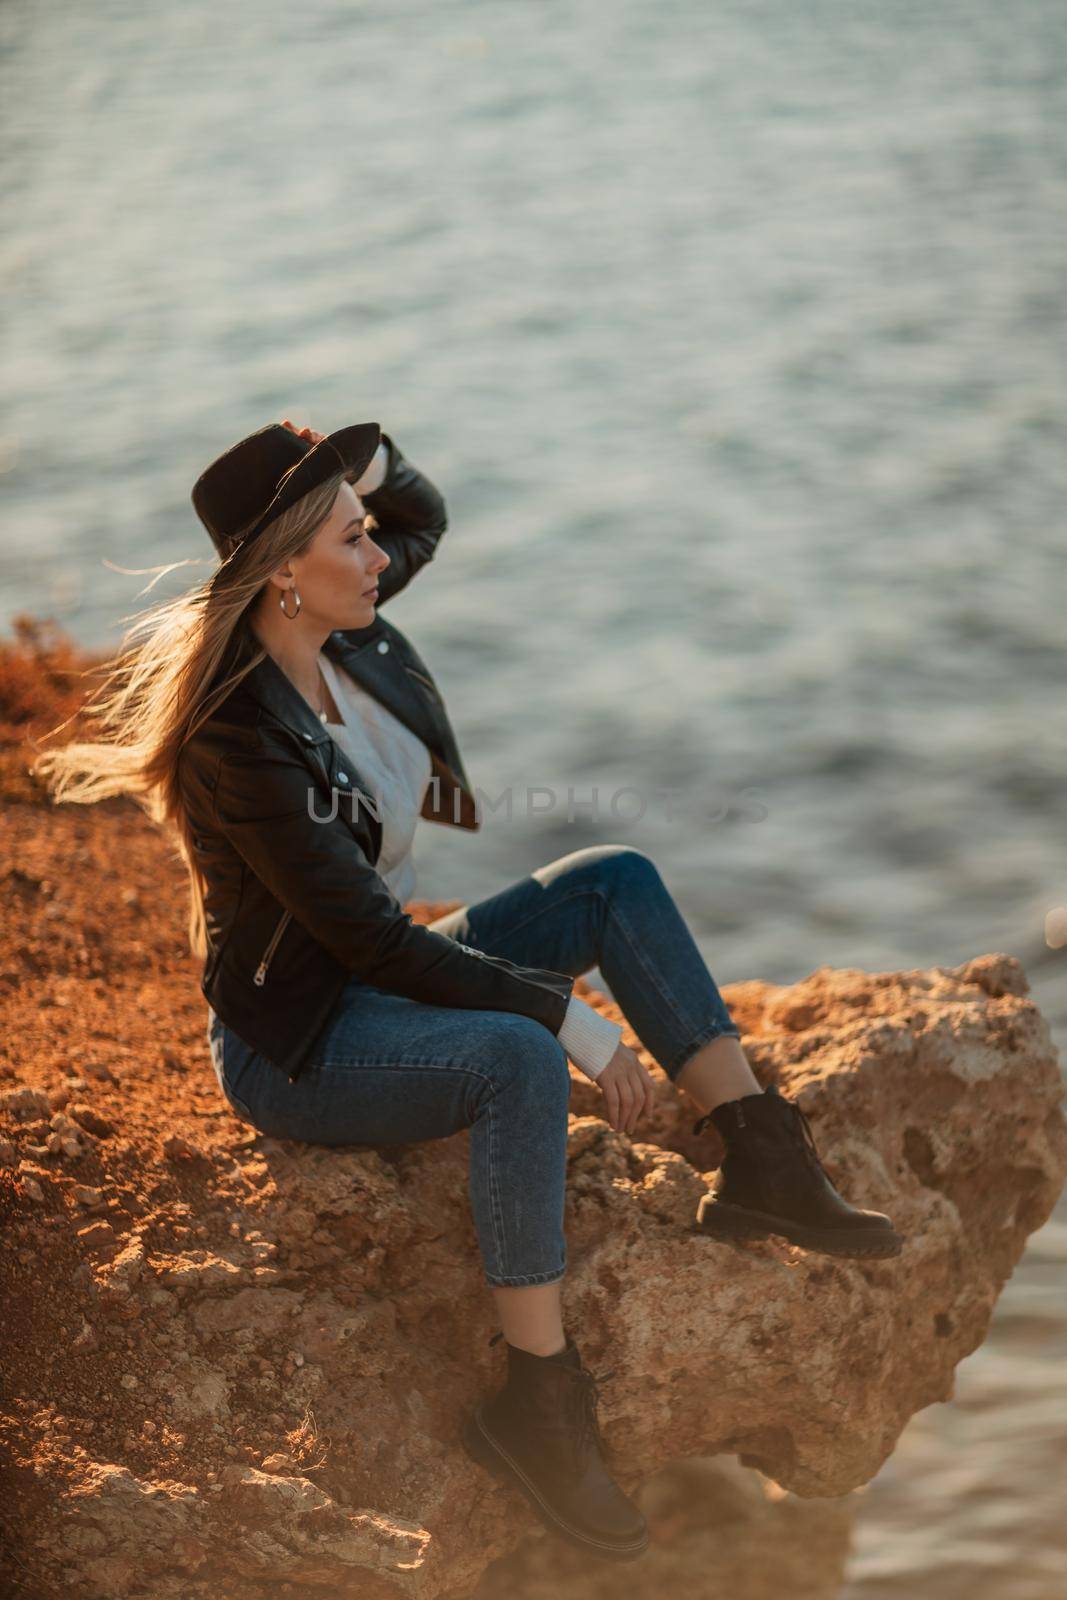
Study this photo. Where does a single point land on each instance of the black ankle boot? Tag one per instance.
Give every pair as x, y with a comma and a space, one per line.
540, 1435
772, 1181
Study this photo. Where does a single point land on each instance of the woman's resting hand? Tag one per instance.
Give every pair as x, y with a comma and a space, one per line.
627, 1089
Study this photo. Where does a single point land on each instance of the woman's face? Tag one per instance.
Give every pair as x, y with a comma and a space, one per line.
339, 567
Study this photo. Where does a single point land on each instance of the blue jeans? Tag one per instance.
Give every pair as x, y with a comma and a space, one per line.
390, 1070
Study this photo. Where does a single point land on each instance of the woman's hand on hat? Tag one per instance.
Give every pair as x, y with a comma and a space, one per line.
305, 433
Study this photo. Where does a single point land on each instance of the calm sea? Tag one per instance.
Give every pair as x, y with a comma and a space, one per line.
735, 337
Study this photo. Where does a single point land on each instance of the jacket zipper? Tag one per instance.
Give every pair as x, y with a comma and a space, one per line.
261, 971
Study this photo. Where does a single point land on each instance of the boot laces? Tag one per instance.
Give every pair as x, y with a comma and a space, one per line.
797, 1125
583, 1397
800, 1128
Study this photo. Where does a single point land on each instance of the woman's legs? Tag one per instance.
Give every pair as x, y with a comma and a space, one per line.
608, 906
718, 1071
532, 1318
389, 1070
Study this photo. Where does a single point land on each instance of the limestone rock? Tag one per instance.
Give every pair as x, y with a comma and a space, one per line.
307, 1325
716, 1529
933, 1095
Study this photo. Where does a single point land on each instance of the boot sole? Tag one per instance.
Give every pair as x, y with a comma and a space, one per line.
724, 1221
495, 1459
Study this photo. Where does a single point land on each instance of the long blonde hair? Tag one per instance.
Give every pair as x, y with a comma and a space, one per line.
175, 666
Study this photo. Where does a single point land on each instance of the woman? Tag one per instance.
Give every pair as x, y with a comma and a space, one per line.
292, 738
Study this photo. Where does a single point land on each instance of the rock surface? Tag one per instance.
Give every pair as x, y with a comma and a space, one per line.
717, 1529
235, 1364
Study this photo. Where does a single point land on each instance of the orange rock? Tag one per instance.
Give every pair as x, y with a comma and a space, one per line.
934, 1095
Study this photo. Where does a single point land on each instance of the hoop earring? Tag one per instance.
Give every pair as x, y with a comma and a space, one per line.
281, 602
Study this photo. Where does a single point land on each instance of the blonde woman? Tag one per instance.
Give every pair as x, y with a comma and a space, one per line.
292, 737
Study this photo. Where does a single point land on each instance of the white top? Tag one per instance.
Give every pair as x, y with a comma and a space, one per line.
394, 768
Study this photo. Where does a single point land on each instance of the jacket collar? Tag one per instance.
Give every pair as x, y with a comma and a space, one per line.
379, 671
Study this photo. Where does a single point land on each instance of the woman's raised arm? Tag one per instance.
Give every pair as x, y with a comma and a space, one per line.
410, 516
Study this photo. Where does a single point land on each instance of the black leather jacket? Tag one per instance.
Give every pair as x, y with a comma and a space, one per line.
286, 836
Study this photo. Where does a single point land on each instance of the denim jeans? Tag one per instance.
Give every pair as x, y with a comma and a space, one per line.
390, 1070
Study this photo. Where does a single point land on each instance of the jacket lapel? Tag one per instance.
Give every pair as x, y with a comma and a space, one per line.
383, 674
375, 658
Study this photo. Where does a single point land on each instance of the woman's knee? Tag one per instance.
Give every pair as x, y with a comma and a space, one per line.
528, 1062
615, 864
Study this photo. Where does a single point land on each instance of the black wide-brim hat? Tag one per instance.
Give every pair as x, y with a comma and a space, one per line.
260, 477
